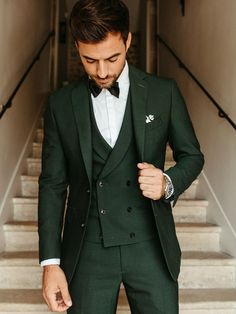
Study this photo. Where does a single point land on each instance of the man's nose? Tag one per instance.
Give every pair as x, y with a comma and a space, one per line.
102, 70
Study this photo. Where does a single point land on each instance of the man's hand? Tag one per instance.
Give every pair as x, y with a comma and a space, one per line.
55, 289
151, 181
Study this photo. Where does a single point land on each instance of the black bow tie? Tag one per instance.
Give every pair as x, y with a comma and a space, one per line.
96, 90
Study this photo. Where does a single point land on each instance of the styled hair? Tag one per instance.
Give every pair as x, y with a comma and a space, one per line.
92, 20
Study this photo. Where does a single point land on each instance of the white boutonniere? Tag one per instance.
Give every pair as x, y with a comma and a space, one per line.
150, 118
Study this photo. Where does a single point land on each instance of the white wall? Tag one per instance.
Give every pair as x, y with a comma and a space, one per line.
24, 25
205, 40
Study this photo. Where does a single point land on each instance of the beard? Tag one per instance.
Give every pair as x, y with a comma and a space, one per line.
107, 82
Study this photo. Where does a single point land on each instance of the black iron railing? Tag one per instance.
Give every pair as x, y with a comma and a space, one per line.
8, 104
221, 112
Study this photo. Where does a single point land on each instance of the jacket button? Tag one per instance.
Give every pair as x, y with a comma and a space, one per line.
88, 191
100, 184
103, 211
132, 235
128, 183
82, 225
129, 209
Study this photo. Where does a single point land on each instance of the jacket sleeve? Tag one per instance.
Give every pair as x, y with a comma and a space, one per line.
52, 189
185, 146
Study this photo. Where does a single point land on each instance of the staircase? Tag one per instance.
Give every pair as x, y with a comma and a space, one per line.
208, 276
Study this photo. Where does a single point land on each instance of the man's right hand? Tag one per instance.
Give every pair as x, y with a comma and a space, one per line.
55, 289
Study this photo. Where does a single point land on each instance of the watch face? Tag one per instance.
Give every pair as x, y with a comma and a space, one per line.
169, 189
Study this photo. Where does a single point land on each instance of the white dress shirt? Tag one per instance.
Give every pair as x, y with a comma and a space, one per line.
109, 110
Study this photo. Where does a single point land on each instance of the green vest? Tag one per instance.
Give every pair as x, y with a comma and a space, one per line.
119, 214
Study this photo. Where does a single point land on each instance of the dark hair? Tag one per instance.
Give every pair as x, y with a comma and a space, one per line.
92, 20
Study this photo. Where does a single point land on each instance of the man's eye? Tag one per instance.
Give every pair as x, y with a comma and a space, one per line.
90, 61
113, 59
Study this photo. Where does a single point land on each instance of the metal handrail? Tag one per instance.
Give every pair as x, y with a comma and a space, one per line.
8, 104
221, 112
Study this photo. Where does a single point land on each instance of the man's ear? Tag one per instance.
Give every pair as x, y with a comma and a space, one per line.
77, 45
128, 41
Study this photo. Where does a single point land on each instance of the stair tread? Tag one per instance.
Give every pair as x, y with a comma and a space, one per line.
188, 258
36, 144
28, 258
25, 200
34, 159
26, 177
196, 298
181, 227
181, 202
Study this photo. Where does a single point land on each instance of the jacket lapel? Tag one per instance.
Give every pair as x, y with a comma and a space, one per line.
138, 89
81, 108
122, 143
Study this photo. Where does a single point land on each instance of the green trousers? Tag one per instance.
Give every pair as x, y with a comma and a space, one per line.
142, 269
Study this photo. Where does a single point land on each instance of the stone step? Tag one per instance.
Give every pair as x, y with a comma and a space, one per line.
36, 150
25, 208
39, 136
198, 236
22, 236
192, 301
29, 187
20, 270
185, 210
190, 210
33, 166
197, 301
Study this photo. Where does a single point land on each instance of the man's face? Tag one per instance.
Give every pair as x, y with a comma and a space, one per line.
104, 61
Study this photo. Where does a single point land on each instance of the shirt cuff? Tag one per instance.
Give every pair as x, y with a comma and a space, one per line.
51, 261
169, 191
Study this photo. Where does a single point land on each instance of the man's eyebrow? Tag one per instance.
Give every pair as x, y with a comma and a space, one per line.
113, 56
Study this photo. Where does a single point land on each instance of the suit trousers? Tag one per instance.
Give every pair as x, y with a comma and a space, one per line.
142, 269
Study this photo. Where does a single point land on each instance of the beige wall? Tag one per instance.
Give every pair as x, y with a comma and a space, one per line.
24, 24
205, 40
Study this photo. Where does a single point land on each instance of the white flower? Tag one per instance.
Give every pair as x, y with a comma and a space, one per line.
150, 118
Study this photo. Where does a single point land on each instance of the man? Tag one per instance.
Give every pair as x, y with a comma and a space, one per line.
104, 151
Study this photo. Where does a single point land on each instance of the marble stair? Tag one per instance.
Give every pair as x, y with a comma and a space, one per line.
208, 276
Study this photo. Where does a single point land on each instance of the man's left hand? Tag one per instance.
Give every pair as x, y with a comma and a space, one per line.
151, 181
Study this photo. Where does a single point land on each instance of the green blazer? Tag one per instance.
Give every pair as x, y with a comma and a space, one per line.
67, 163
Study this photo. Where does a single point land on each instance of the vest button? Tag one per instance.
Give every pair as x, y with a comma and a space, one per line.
88, 191
132, 235
100, 184
129, 209
82, 225
128, 183
103, 211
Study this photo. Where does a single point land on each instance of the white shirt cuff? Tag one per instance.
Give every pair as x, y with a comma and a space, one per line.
51, 261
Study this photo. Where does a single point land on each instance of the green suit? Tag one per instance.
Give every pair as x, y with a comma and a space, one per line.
67, 162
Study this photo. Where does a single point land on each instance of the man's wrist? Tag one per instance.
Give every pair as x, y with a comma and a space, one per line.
51, 261
169, 188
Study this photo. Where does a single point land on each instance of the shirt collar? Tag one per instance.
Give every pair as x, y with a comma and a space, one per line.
123, 78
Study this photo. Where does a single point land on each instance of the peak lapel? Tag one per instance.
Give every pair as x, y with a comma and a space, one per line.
138, 89
81, 108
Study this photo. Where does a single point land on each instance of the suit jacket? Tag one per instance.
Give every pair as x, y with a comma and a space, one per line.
67, 163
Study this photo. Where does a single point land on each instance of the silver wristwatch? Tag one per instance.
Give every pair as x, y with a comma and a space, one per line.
169, 188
